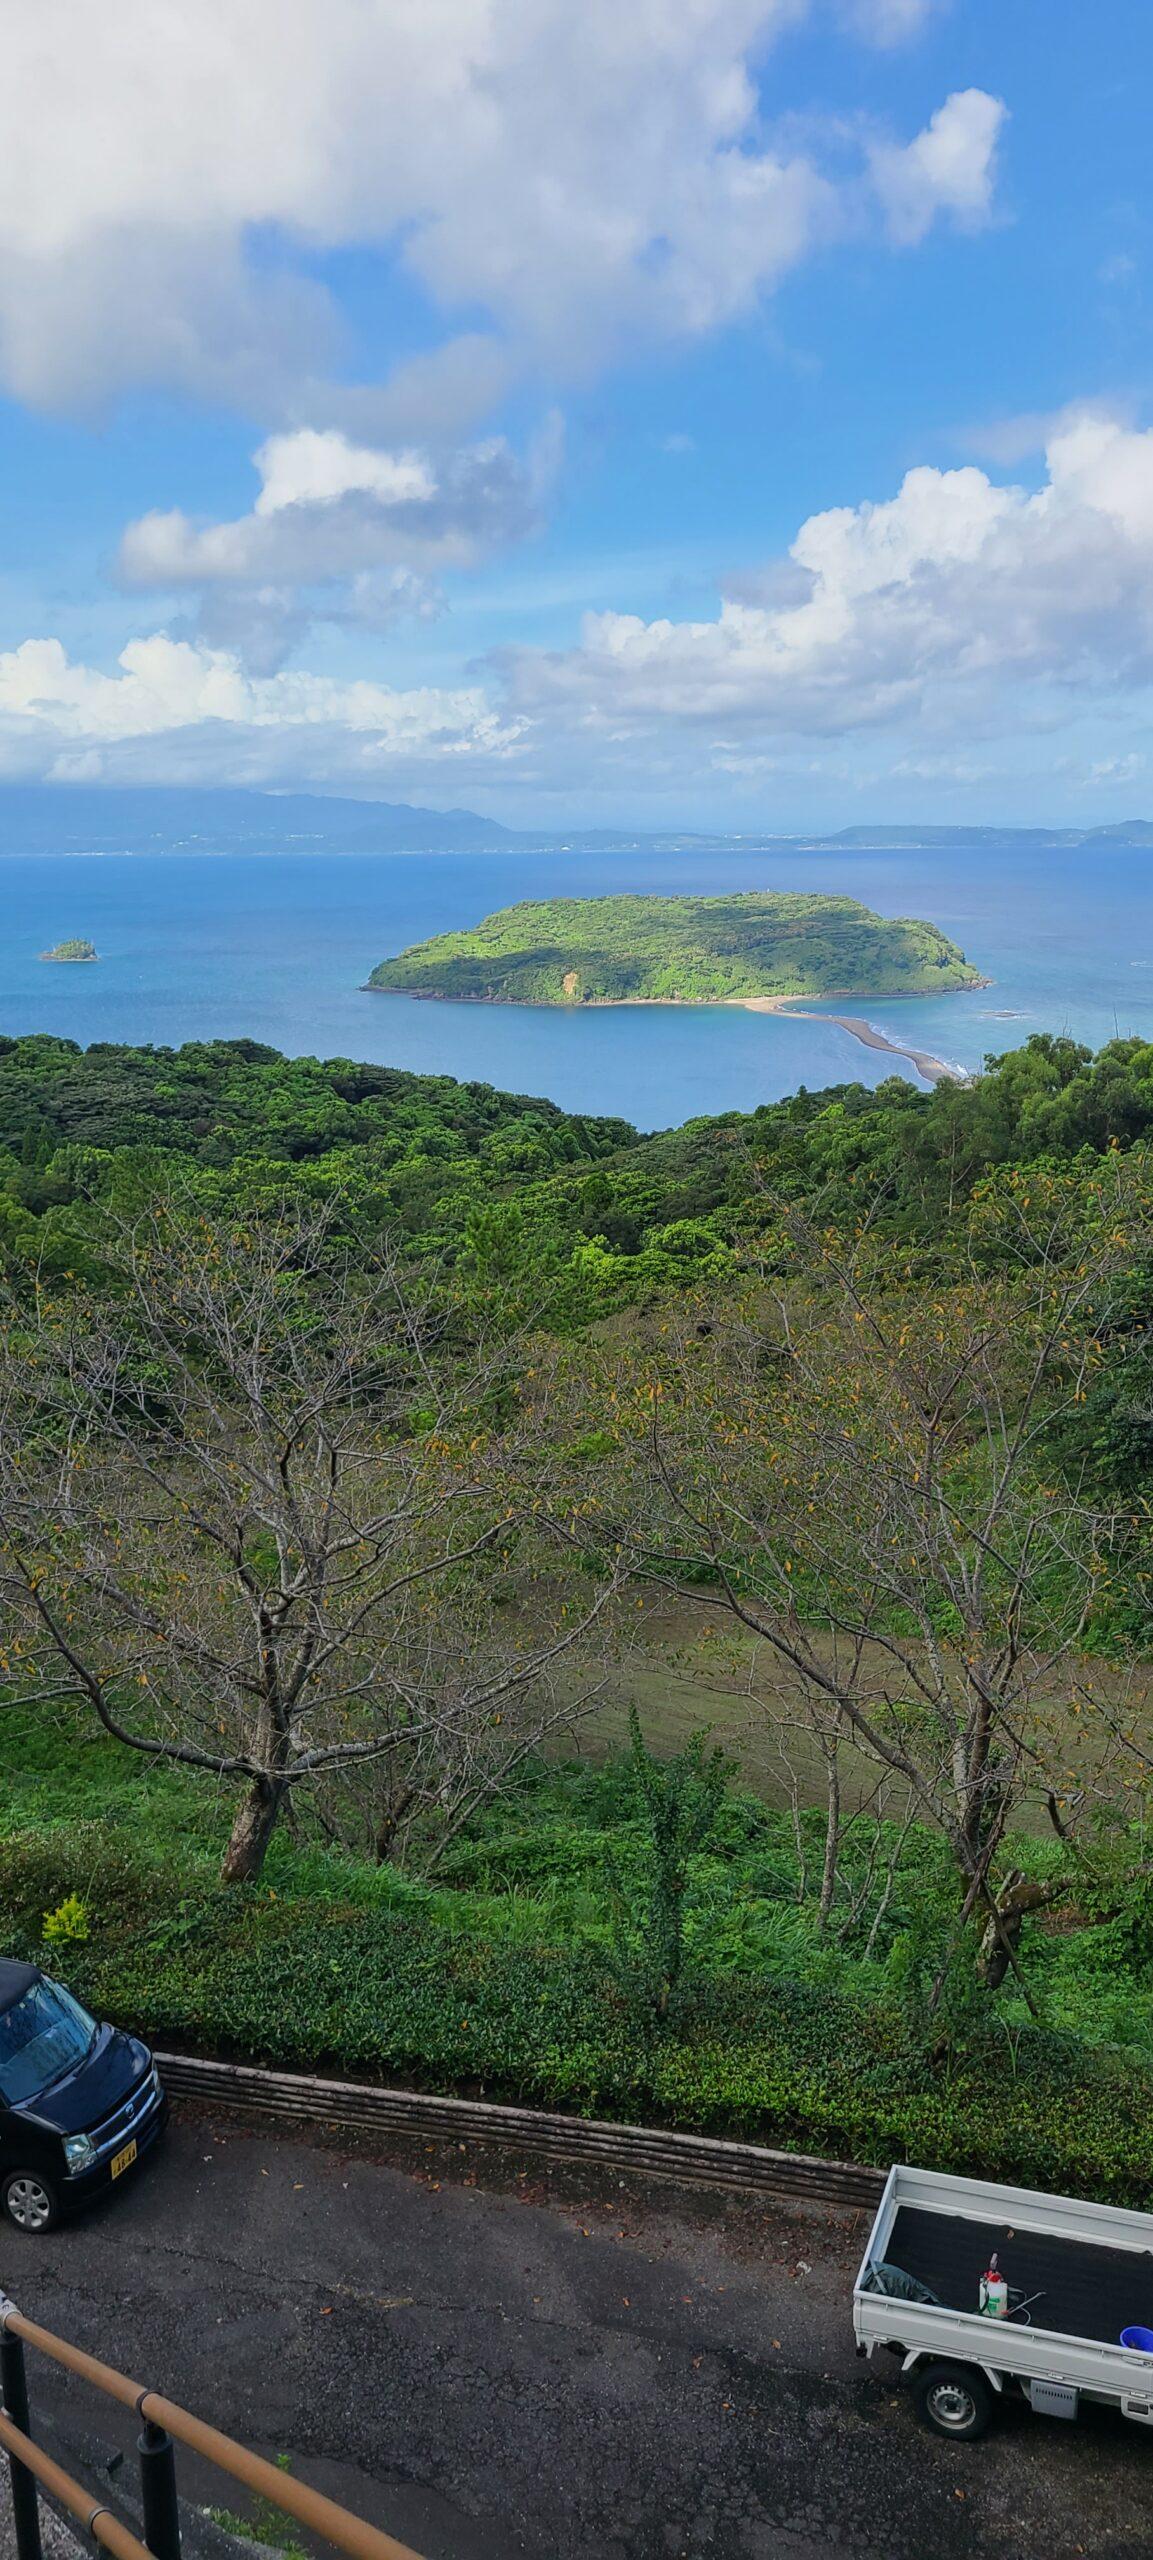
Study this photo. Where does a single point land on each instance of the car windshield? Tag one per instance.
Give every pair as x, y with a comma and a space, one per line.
41, 2036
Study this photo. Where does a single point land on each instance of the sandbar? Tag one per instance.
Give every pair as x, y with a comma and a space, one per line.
934, 1070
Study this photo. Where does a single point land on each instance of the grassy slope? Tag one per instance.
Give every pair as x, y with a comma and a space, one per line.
621, 949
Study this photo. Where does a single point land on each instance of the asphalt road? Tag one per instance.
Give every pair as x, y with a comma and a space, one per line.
489, 2368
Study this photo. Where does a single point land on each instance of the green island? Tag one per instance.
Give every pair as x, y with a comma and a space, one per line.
77, 948
731, 1545
757, 947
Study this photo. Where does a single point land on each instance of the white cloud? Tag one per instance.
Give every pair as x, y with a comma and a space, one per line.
958, 602
578, 175
329, 508
922, 626
310, 469
340, 532
181, 709
948, 169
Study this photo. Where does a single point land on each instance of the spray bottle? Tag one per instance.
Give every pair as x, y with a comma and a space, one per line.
994, 2293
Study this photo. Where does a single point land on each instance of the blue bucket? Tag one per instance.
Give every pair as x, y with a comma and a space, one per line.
1142, 2339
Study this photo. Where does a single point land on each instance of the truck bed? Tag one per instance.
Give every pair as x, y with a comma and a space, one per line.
1087, 2290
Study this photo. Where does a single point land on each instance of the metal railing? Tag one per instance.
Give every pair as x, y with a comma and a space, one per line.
164, 2425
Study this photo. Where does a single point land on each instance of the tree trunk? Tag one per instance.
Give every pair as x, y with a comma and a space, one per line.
389, 1825
832, 1840
251, 1832
1001, 1935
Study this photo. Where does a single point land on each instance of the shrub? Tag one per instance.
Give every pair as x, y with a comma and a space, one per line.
67, 1926
386, 1989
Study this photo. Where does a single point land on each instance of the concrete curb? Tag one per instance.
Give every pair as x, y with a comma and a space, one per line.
288, 2098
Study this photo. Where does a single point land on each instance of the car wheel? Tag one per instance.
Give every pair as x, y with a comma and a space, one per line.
29, 2201
954, 2399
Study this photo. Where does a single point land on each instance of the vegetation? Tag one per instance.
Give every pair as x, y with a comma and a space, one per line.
503, 1975
350, 1423
75, 949
634, 950
244, 1519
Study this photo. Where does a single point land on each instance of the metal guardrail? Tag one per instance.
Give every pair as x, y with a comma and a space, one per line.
289, 2098
164, 2424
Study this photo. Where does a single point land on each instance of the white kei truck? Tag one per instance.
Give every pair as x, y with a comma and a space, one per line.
1068, 2289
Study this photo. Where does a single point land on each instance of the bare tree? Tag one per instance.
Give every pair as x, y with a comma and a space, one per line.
865, 1811
259, 1502
861, 1475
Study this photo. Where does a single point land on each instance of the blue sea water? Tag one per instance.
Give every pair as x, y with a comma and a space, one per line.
277, 947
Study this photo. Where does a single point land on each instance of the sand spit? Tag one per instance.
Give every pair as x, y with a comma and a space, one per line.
934, 1070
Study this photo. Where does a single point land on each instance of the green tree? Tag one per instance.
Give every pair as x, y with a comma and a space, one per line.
675, 1806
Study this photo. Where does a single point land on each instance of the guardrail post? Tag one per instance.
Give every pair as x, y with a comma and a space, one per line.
158, 2492
25, 2495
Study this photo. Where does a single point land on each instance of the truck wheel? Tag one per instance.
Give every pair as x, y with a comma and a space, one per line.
954, 2399
29, 2200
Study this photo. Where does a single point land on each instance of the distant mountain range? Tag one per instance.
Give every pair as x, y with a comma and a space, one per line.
83, 818
1126, 831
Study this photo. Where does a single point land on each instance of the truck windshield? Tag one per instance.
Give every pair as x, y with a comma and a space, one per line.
41, 2036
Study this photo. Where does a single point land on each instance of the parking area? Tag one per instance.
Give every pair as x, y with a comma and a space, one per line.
491, 2365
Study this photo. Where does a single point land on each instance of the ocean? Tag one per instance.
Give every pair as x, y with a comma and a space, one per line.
277, 947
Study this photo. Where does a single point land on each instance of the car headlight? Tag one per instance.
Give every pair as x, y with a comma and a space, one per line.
79, 2153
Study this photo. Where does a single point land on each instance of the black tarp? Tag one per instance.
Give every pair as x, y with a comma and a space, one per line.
1086, 2290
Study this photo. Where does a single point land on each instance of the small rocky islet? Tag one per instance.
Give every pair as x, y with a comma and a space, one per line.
77, 948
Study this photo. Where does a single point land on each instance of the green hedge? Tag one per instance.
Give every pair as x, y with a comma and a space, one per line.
383, 1990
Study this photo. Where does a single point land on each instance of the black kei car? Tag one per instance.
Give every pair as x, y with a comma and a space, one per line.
80, 2104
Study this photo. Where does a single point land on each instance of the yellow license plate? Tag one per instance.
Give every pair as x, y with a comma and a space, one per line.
124, 2160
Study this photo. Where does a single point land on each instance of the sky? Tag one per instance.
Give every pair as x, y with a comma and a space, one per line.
726, 414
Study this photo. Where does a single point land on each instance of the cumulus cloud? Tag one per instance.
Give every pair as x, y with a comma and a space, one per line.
178, 708
959, 610
327, 508
948, 169
958, 600
575, 174
338, 531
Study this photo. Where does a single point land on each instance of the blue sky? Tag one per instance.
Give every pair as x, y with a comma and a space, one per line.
725, 413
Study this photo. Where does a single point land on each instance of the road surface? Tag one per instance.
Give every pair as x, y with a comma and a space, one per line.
490, 2369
